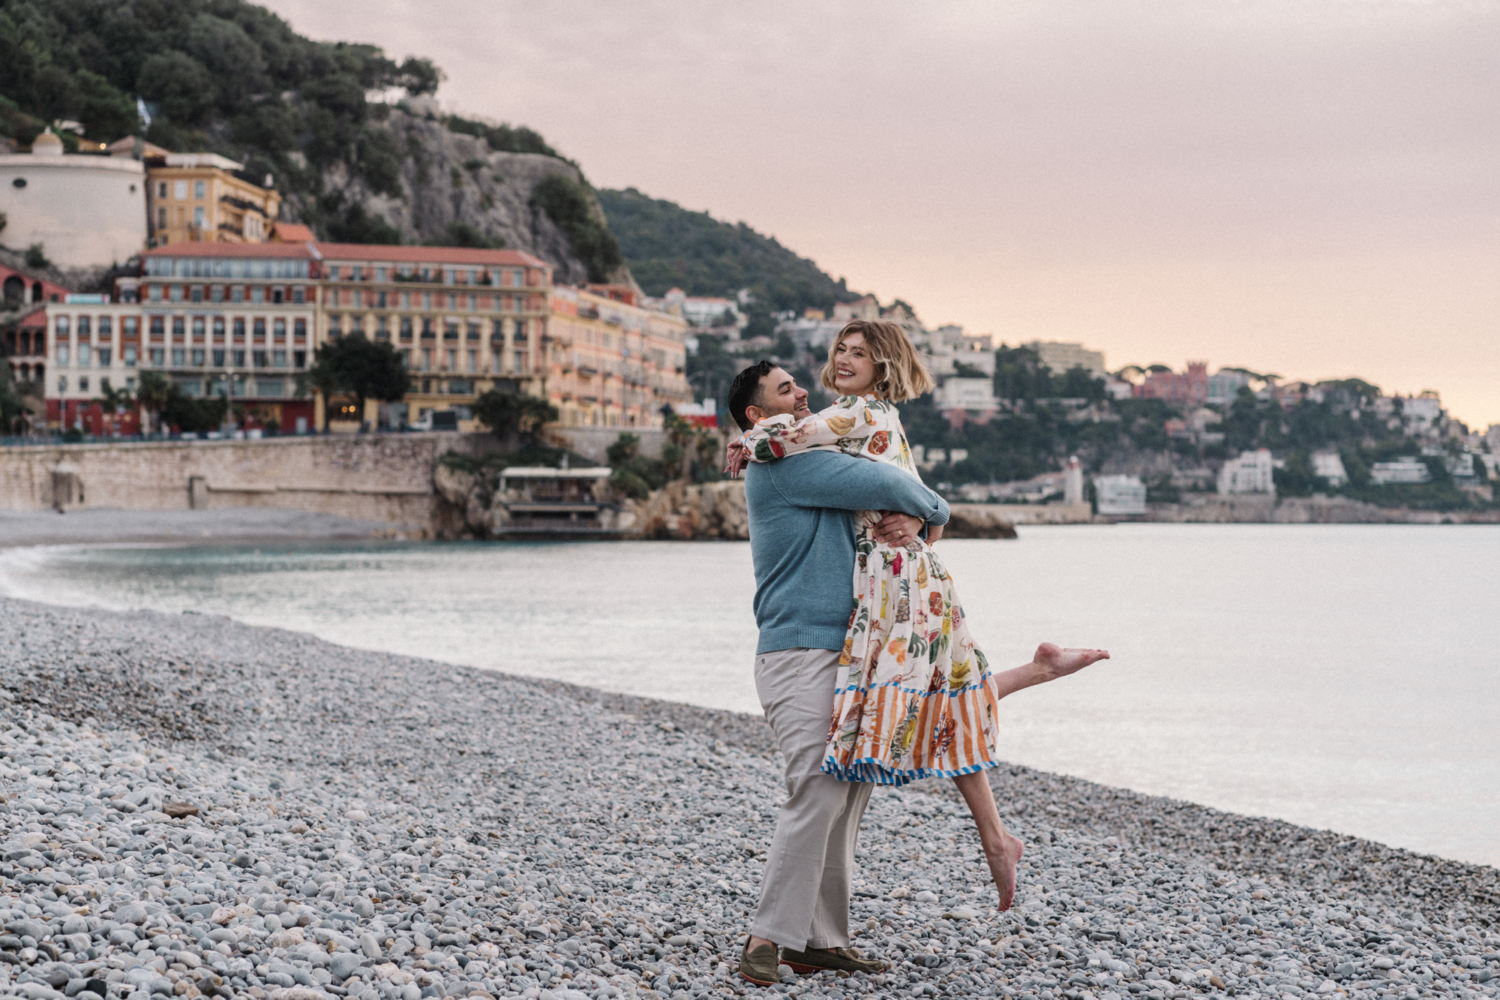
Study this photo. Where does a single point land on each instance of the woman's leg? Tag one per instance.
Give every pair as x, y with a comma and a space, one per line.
1001, 851
1049, 663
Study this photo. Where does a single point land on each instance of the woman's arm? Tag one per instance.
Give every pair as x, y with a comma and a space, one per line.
851, 419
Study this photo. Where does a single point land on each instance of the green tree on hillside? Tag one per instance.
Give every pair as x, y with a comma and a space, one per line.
514, 417
667, 245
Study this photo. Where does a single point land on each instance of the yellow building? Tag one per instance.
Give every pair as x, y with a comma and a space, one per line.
196, 198
464, 320
612, 361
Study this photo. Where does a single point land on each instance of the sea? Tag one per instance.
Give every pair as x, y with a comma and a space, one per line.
1345, 677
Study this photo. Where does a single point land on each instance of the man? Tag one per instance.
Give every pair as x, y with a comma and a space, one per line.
802, 530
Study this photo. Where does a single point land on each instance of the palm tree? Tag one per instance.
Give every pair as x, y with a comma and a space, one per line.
112, 400
153, 389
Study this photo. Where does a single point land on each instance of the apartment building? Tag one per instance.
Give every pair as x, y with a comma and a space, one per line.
196, 198
613, 361
465, 320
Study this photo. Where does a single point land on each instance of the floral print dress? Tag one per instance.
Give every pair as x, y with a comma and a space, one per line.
916, 700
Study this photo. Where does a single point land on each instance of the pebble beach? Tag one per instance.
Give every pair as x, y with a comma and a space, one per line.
198, 807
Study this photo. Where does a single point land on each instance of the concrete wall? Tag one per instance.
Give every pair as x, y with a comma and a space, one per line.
86, 211
591, 442
380, 477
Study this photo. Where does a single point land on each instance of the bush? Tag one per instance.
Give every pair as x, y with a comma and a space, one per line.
566, 204
36, 256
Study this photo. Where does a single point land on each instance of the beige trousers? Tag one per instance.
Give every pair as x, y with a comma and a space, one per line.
804, 897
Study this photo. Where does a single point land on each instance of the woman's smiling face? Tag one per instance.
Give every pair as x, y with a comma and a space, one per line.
853, 368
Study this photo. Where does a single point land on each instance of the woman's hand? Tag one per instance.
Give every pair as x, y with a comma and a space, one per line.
934, 532
736, 457
899, 530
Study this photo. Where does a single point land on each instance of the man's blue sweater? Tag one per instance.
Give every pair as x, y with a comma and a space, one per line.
802, 526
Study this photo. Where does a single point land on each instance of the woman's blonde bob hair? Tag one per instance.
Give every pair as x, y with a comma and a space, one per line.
899, 373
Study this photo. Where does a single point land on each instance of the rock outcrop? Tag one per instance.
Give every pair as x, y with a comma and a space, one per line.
449, 177
685, 511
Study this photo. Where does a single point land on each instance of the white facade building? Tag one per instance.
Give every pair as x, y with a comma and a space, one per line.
1120, 496
1225, 385
85, 211
1250, 473
1407, 469
1330, 466
1064, 357
704, 310
972, 394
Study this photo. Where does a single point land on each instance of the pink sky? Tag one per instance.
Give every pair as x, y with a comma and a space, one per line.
1310, 188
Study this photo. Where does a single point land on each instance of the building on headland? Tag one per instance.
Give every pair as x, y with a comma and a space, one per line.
197, 198
1120, 496
1408, 469
612, 361
84, 211
1330, 466
704, 310
1188, 388
966, 400
1252, 472
1224, 386
1064, 357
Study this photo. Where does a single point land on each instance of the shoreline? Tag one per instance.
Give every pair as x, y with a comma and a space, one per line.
467, 833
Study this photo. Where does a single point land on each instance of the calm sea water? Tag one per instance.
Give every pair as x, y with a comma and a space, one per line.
1344, 677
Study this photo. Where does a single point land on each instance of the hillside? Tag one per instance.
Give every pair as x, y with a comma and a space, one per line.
229, 77
666, 245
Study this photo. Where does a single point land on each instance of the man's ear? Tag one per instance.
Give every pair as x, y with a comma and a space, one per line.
755, 414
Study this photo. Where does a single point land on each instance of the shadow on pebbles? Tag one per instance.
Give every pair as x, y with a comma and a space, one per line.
193, 806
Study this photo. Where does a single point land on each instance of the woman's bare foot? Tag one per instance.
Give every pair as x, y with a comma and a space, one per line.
1003, 860
1056, 662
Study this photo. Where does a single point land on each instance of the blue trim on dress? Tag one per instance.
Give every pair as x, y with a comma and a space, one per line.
871, 771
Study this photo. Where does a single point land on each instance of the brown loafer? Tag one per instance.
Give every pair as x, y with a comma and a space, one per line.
759, 966
811, 961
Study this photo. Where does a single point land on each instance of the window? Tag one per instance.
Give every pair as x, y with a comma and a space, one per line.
427, 359
451, 277
219, 328
197, 295
239, 358
130, 326
382, 328
257, 294
259, 329
427, 330
179, 327
473, 361
155, 293
200, 217
335, 326
161, 217
460, 387
272, 390
104, 353
129, 355
450, 330
198, 357
62, 355
179, 190
357, 273
277, 295
406, 357
83, 355
333, 272
175, 293
83, 383
427, 301
299, 295
299, 329
406, 300
199, 328
218, 357
357, 325
452, 359
60, 326
278, 359
237, 293
299, 359
278, 330
158, 356
83, 326
161, 189
179, 357
200, 189
239, 328
380, 300
259, 357
405, 327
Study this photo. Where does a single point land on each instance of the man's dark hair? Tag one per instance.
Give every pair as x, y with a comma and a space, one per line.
744, 392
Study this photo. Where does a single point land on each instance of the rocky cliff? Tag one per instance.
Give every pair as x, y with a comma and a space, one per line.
448, 179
